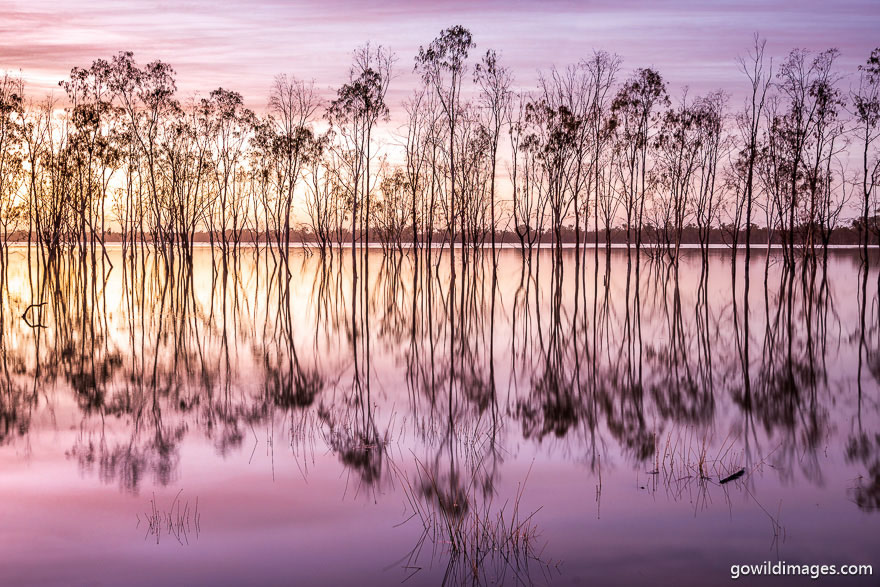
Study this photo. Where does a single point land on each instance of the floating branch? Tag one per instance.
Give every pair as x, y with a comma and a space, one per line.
27, 320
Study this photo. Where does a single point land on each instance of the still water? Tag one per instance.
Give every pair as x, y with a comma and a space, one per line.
247, 423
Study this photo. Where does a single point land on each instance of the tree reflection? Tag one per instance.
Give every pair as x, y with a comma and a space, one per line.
155, 351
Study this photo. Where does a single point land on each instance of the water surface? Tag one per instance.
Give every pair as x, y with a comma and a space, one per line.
247, 422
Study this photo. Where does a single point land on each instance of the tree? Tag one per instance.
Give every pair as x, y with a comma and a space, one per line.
287, 140
229, 125
495, 97
749, 124
11, 160
359, 105
442, 65
808, 86
603, 68
866, 106
633, 111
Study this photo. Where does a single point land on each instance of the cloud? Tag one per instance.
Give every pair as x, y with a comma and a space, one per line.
242, 45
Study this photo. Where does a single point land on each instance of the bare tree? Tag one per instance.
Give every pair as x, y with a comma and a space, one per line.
443, 66
748, 122
866, 103
288, 139
812, 102
603, 68
495, 97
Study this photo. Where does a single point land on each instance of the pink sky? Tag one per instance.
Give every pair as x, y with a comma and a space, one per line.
241, 45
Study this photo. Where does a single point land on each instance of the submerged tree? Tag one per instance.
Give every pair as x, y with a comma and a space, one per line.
634, 114
866, 103
442, 65
284, 142
12, 157
128, 155
748, 122
359, 105
495, 97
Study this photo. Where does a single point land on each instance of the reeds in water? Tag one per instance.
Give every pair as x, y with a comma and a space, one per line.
179, 521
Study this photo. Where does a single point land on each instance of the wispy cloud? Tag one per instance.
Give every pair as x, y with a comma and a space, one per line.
243, 44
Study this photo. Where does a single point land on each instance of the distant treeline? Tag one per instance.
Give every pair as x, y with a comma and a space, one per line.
760, 236
581, 155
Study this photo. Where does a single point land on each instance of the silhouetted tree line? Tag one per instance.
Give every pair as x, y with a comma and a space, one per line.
590, 155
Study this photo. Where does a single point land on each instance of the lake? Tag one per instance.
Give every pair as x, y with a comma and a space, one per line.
375, 421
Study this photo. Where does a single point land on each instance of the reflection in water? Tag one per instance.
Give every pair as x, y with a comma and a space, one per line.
430, 387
